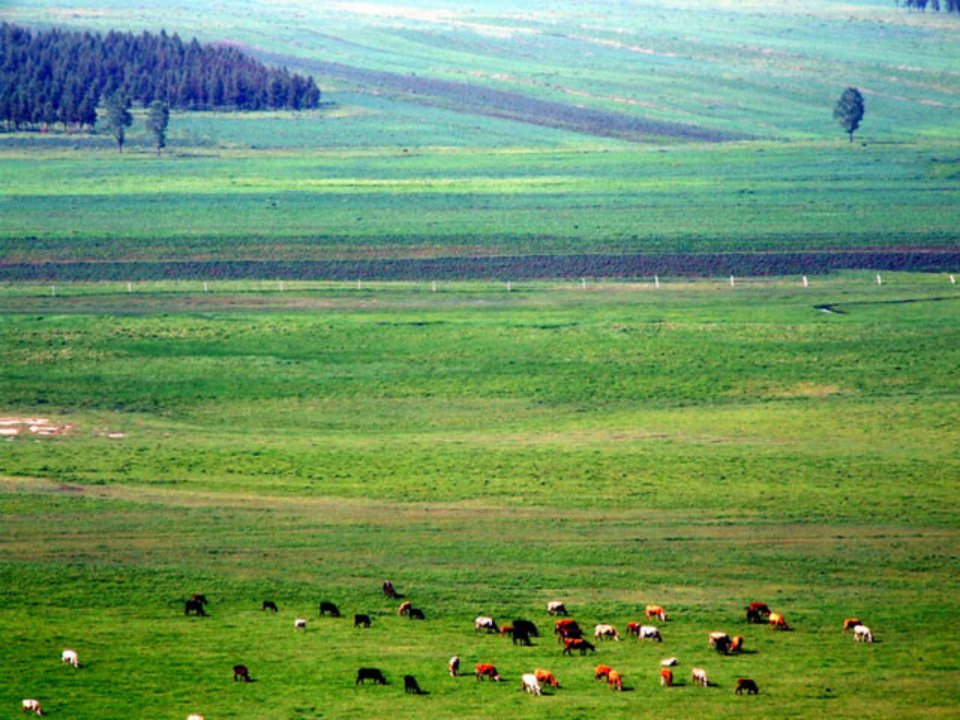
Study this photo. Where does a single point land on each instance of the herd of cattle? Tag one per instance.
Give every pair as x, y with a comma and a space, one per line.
567, 630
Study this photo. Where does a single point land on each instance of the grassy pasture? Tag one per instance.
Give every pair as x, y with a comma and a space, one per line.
698, 447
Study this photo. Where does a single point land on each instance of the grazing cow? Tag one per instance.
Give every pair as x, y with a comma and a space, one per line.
747, 685
70, 656
361, 620
546, 677
649, 632
483, 670
720, 641
404, 608
195, 607
571, 644
759, 607
736, 645
240, 672
669, 662
568, 630
861, 633
369, 673
605, 632
453, 666
506, 631
602, 672
415, 614
485, 623
521, 637
699, 677
655, 611
778, 621
31, 705
528, 683
850, 623
410, 685
521, 625
555, 607
615, 680
299, 624
268, 605
633, 628
388, 590
328, 608
666, 677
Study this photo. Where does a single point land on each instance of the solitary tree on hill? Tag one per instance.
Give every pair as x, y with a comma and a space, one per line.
849, 110
118, 117
158, 117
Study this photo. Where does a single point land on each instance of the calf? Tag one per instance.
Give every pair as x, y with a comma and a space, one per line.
485, 623
328, 608
528, 683
70, 656
240, 672
747, 685
699, 677
571, 644
655, 611
361, 620
31, 705
861, 633
604, 632
666, 677
410, 685
299, 624
615, 680
649, 632
555, 607
546, 677
453, 666
483, 670
506, 631
369, 673
268, 605
602, 672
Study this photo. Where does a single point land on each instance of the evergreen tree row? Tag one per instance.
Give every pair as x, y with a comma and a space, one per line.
59, 76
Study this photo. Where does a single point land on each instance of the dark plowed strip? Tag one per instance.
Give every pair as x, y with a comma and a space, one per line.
496, 268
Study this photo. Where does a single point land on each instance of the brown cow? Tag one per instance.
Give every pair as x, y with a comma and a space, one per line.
404, 608
486, 670
778, 621
571, 644
748, 685
546, 677
757, 612
602, 672
615, 680
655, 611
736, 645
195, 607
240, 672
666, 677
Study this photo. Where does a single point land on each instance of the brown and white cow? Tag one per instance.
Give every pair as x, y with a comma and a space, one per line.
606, 632
666, 677
699, 677
778, 621
850, 623
486, 670
546, 677
555, 607
655, 611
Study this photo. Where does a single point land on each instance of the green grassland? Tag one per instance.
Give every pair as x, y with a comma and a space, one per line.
696, 446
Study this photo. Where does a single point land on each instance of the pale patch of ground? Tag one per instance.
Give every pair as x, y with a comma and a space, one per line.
11, 427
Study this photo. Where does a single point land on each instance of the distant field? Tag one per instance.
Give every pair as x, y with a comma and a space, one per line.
697, 446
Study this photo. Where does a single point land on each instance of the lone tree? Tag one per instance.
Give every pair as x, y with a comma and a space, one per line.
158, 117
849, 110
118, 117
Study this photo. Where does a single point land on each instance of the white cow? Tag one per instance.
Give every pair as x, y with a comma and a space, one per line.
194, 717
602, 632
485, 623
33, 706
528, 683
70, 656
454, 666
649, 632
861, 633
699, 677
299, 624
555, 607
668, 662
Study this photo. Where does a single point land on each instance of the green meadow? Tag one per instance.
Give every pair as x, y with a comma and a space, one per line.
695, 446
489, 447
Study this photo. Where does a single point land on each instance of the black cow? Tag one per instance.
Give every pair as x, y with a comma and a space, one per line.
521, 636
200, 598
410, 685
529, 626
389, 591
328, 608
240, 672
269, 605
416, 614
193, 606
365, 673
361, 620
748, 685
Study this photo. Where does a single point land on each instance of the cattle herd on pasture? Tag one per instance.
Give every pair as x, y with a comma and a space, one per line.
568, 632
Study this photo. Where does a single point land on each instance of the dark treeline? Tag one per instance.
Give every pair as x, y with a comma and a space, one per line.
950, 6
59, 76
